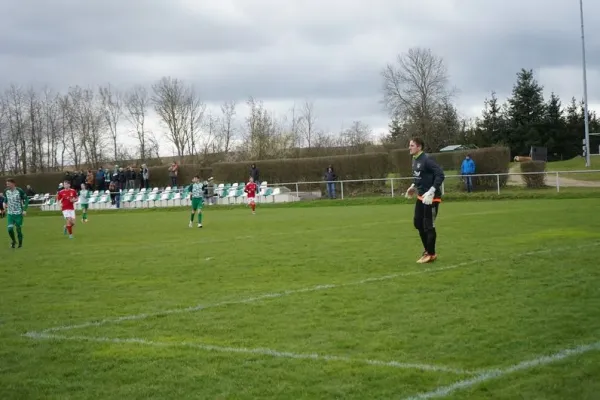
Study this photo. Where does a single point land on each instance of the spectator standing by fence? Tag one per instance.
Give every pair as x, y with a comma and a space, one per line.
330, 177
145, 176
467, 169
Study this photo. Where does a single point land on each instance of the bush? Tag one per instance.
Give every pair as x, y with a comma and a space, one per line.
534, 181
358, 166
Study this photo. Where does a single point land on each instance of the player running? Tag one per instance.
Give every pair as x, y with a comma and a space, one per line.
251, 188
67, 198
16, 208
428, 178
84, 201
197, 189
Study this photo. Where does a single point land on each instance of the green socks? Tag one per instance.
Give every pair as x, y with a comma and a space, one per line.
192, 218
11, 233
19, 235
84, 215
199, 218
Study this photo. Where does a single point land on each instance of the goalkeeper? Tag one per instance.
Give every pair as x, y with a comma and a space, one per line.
428, 177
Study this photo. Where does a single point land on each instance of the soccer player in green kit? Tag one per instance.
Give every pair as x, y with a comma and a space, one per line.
16, 208
197, 189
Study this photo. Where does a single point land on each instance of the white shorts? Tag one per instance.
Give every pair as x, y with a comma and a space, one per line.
69, 214
251, 200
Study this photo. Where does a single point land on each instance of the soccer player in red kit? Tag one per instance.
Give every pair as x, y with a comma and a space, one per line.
67, 198
251, 188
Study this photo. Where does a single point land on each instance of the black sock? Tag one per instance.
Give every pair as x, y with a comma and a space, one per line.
423, 235
431, 238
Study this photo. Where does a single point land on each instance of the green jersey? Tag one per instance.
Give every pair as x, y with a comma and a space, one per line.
83, 196
197, 190
16, 201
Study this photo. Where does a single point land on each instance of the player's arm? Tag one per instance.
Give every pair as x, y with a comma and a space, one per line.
24, 199
438, 173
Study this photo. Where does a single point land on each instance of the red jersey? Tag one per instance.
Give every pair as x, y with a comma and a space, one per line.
65, 196
251, 188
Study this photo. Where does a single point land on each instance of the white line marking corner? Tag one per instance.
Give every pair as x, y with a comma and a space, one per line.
498, 373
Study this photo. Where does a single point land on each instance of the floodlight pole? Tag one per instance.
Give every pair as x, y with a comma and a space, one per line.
585, 98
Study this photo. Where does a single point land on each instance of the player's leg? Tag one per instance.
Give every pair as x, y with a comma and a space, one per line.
199, 211
194, 209
84, 208
253, 205
70, 222
419, 225
430, 213
10, 229
19, 226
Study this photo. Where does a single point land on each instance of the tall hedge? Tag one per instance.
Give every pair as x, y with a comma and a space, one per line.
534, 181
357, 166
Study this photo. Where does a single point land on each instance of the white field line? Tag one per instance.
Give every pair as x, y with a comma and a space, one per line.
266, 296
498, 373
255, 351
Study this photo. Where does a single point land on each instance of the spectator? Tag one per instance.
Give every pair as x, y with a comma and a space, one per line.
112, 187
121, 179
467, 169
89, 180
254, 173
130, 178
145, 176
29, 191
100, 179
330, 178
173, 170
210, 190
107, 179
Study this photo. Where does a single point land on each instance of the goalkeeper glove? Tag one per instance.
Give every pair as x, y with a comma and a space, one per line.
410, 191
428, 196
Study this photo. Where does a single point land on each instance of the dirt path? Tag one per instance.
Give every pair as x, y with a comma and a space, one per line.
516, 180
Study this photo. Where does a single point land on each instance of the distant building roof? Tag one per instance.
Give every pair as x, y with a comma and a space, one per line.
454, 147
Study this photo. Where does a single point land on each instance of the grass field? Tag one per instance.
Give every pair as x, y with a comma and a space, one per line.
306, 303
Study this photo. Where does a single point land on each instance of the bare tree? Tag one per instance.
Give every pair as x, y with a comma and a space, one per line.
5, 142
359, 134
308, 121
17, 127
196, 109
415, 89
209, 139
52, 127
112, 104
227, 131
170, 99
260, 130
88, 117
137, 102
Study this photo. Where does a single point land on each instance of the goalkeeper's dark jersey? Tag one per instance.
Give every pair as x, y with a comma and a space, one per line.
427, 173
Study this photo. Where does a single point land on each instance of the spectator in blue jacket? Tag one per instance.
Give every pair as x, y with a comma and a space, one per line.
467, 169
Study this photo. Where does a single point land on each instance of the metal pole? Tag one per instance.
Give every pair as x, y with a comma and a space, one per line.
585, 98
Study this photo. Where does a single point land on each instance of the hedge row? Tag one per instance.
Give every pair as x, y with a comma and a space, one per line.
159, 176
534, 181
489, 160
358, 166
347, 167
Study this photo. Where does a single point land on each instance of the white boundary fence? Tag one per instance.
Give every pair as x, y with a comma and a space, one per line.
307, 190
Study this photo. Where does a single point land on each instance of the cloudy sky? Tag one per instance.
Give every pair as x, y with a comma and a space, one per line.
328, 51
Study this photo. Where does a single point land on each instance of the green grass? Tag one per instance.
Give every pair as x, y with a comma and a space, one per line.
475, 316
576, 164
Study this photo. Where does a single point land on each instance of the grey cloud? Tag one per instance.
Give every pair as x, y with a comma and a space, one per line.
258, 53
